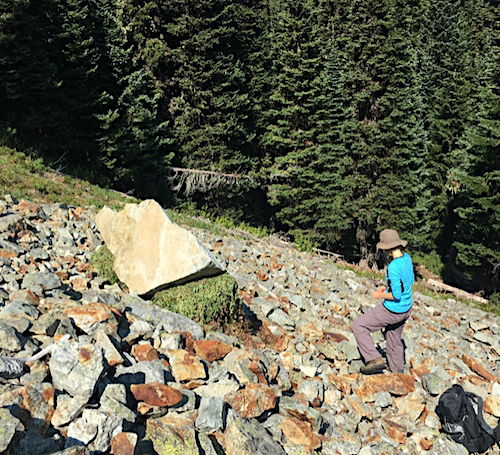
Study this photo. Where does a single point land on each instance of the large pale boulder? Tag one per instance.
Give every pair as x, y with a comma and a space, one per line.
150, 250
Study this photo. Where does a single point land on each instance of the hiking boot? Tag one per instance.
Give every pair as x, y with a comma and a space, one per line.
373, 366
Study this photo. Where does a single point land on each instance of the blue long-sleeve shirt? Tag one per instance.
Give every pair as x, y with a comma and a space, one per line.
399, 281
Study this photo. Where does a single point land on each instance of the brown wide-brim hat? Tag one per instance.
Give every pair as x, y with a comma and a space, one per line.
389, 238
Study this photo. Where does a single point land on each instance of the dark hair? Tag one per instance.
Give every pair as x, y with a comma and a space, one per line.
389, 258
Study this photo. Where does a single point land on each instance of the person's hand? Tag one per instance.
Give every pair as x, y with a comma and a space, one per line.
379, 293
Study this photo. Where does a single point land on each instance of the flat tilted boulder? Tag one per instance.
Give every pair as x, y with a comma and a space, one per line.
150, 250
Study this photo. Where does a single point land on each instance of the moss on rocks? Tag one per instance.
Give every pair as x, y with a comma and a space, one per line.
209, 300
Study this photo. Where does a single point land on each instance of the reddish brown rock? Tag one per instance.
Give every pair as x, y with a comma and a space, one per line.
395, 431
360, 408
144, 352
478, 380
27, 206
35, 404
26, 296
419, 371
188, 341
255, 369
335, 337
186, 366
312, 331
123, 444
426, 443
156, 394
396, 384
262, 276
277, 341
79, 284
343, 383
7, 254
492, 406
411, 404
211, 350
253, 400
272, 371
475, 366
300, 432
63, 275
85, 316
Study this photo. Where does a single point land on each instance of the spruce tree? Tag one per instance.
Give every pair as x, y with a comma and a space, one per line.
474, 179
289, 139
447, 95
28, 85
135, 142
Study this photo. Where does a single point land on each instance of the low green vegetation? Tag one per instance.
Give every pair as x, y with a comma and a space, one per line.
102, 260
25, 176
361, 272
304, 242
431, 261
212, 300
216, 225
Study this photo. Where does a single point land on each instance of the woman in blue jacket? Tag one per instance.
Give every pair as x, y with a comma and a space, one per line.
392, 313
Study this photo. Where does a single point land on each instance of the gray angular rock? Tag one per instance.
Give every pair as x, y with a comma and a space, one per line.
206, 444
443, 445
9, 426
67, 409
33, 443
10, 340
38, 254
211, 414
248, 436
112, 406
46, 280
172, 322
76, 368
142, 373
9, 221
281, 318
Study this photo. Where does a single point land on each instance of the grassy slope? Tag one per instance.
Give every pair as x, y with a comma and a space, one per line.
24, 177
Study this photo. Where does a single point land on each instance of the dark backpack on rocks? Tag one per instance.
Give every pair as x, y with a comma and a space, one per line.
459, 419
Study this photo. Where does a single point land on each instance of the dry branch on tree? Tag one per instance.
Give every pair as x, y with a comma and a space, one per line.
201, 180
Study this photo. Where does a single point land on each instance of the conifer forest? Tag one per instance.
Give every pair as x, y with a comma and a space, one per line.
329, 120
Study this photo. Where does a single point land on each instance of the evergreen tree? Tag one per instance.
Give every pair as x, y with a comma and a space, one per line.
135, 142
388, 143
446, 90
207, 87
475, 177
30, 107
289, 139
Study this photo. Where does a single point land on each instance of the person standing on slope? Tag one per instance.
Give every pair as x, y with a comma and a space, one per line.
392, 313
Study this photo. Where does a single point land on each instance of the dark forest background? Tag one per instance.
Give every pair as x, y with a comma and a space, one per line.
329, 120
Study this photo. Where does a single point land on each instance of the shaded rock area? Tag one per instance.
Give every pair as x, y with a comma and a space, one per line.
133, 379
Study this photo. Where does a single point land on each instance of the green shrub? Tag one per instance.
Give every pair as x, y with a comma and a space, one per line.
495, 299
102, 260
304, 242
209, 300
431, 261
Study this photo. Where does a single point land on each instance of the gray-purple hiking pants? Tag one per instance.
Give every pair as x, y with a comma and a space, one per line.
379, 317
